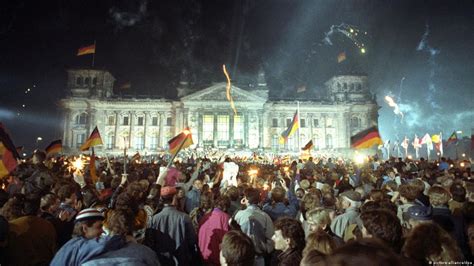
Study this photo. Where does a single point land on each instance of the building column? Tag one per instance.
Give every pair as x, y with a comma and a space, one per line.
116, 129
146, 118
130, 135
200, 130
246, 130
160, 133
231, 130
214, 135
324, 116
260, 129
310, 118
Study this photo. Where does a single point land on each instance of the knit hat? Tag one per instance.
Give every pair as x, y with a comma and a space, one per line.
167, 191
89, 214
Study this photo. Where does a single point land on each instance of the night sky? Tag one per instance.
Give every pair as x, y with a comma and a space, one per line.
418, 52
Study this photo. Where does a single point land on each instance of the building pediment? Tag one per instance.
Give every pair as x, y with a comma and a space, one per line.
218, 93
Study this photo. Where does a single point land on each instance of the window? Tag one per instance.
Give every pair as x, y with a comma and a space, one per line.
139, 142
154, 121
111, 120
345, 86
80, 138
109, 142
208, 127
352, 87
303, 122
329, 141
288, 122
125, 121
81, 119
316, 122
359, 87
275, 142
329, 122
79, 81
238, 128
87, 81
169, 121
223, 127
355, 122
94, 81
140, 121
275, 122
154, 142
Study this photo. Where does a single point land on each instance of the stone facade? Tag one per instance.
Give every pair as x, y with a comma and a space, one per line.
344, 108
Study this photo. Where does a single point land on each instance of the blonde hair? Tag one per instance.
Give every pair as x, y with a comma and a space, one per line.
318, 216
438, 196
320, 241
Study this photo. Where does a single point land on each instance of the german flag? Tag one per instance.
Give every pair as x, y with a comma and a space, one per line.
54, 147
366, 139
136, 157
86, 50
8, 153
308, 146
93, 140
294, 125
180, 141
453, 138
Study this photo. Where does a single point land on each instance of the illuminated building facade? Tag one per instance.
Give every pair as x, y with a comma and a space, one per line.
342, 107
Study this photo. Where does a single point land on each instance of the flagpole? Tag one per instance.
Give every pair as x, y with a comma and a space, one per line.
93, 55
299, 123
174, 156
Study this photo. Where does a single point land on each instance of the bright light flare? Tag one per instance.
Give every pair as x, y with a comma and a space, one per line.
253, 172
359, 159
410, 157
78, 164
362, 50
389, 100
462, 164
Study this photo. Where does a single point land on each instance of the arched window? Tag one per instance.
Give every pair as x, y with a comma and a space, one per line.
79, 81
81, 119
339, 86
329, 141
94, 81
345, 86
87, 81
359, 87
352, 87
355, 122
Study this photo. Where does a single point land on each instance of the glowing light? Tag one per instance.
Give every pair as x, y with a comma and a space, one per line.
39, 138
3, 186
28, 89
286, 168
186, 132
462, 164
463, 155
451, 165
351, 30
362, 50
253, 172
24, 154
78, 164
410, 157
359, 159
23, 105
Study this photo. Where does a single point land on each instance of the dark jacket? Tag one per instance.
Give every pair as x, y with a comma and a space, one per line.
290, 257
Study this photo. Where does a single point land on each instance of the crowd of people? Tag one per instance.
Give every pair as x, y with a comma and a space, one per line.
317, 211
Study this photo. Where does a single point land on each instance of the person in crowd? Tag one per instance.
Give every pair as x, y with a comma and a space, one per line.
408, 195
31, 239
428, 242
458, 193
39, 181
289, 238
416, 215
234, 196
206, 205
256, 224
121, 223
320, 241
177, 239
212, 229
237, 249
350, 203
193, 196
277, 208
383, 225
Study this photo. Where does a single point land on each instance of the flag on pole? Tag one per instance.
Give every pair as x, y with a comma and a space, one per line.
308, 146
93, 140
294, 125
404, 143
54, 147
453, 138
416, 142
366, 139
181, 141
427, 140
341, 57
438, 141
90, 49
8, 153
